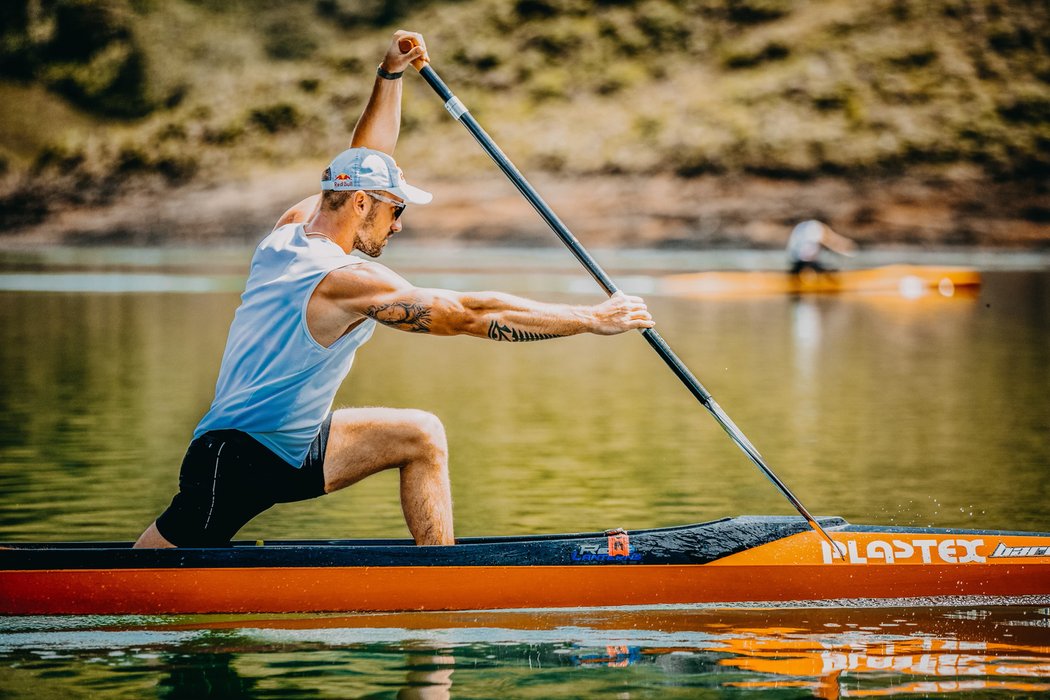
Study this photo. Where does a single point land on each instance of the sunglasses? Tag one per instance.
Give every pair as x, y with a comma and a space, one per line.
399, 207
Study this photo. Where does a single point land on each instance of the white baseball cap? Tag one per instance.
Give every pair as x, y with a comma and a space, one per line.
366, 169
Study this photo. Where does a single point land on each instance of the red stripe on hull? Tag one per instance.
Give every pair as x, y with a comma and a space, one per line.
345, 589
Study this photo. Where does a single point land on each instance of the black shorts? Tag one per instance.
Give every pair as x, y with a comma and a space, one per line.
815, 265
228, 478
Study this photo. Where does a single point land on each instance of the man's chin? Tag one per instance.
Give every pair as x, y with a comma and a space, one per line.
373, 251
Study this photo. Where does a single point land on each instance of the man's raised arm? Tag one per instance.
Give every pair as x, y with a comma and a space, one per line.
380, 122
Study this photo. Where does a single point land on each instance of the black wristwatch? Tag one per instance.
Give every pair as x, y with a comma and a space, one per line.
387, 74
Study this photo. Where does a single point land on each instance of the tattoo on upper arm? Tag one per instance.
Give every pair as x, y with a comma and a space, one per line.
403, 315
499, 331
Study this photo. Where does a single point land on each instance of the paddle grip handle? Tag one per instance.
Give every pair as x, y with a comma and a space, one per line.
406, 45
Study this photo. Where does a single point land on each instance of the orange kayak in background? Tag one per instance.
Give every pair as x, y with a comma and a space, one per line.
734, 560
902, 280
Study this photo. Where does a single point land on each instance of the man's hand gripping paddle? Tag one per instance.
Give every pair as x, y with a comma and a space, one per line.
460, 113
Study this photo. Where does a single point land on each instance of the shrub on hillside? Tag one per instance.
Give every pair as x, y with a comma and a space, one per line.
276, 117
17, 53
82, 49
288, 40
112, 82
755, 11
57, 159
22, 206
82, 28
354, 14
744, 56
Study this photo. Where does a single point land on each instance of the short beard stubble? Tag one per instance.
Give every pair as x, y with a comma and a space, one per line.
371, 248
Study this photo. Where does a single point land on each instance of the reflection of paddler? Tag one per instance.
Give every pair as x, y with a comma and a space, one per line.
808, 240
428, 678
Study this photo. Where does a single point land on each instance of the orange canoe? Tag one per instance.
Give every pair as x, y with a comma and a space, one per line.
745, 559
898, 280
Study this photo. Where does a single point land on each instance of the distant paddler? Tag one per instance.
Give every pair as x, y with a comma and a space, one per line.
270, 435
807, 243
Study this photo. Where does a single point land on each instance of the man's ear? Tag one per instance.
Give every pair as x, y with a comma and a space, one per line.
362, 203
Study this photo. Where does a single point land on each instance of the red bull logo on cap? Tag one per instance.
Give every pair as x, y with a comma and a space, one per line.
342, 181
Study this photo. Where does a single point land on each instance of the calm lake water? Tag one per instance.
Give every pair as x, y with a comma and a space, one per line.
880, 409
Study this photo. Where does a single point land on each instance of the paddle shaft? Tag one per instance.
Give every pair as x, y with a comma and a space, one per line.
460, 113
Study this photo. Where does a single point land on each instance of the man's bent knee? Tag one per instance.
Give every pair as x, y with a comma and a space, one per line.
367, 441
431, 432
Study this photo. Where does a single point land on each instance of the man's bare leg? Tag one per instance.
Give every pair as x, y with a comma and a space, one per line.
152, 539
364, 441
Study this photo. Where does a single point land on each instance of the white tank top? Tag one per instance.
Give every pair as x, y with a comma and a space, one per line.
276, 382
804, 243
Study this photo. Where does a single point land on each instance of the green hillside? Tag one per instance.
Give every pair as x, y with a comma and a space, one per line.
111, 96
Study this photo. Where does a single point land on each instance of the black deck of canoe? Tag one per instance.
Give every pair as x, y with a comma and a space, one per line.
688, 544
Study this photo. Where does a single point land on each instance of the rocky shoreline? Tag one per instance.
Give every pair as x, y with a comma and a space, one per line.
611, 211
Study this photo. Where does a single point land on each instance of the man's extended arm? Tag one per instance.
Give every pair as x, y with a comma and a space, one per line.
373, 290
836, 242
380, 121
490, 315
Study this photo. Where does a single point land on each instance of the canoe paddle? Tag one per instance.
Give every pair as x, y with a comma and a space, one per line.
460, 113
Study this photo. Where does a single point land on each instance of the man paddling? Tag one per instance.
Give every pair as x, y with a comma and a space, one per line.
807, 242
270, 436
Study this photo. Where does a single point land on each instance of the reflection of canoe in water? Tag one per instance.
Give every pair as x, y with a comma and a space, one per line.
883, 651
903, 280
825, 652
730, 560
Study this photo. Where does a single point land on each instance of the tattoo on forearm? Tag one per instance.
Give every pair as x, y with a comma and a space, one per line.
498, 331
402, 315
